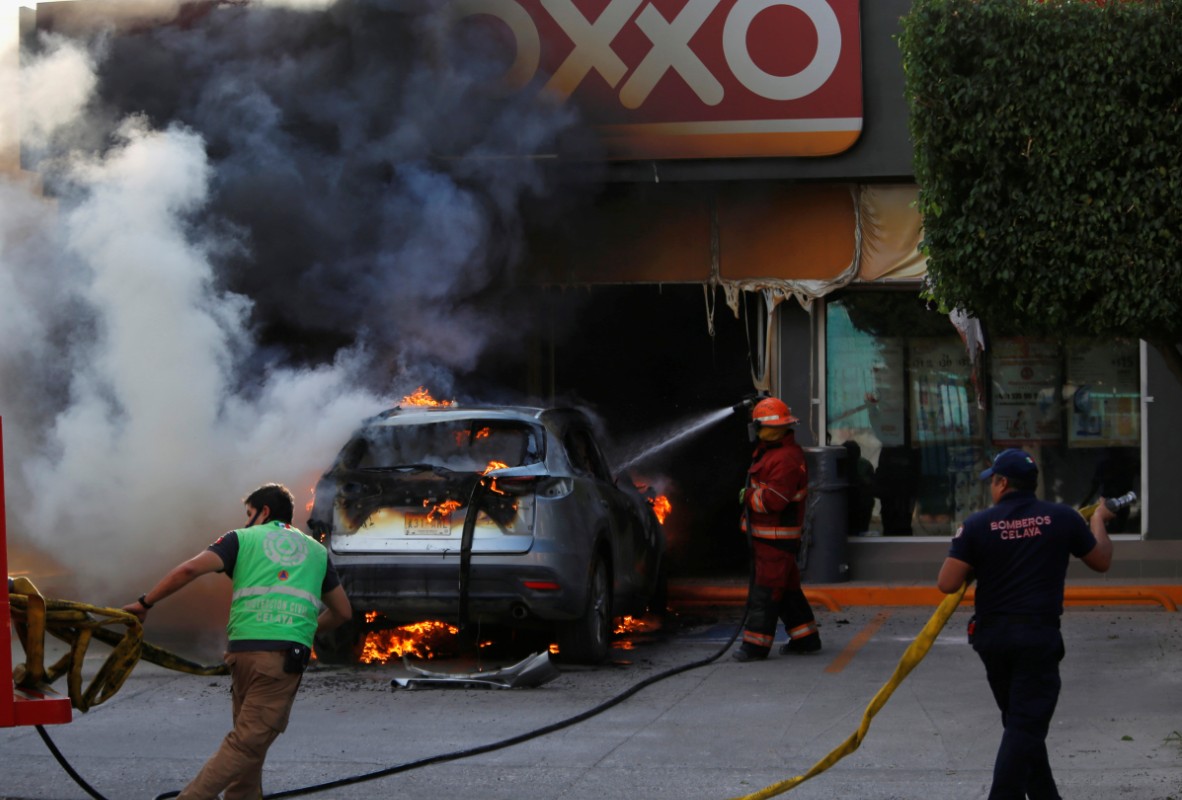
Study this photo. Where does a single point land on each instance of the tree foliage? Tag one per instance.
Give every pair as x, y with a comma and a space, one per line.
1048, 151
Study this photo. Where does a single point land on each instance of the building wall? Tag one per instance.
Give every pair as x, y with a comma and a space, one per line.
918, 562
1162, 436
796, 378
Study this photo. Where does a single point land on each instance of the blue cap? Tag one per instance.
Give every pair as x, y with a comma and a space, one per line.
1012, 463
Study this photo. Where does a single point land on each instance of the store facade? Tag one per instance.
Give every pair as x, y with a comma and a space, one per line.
828, 245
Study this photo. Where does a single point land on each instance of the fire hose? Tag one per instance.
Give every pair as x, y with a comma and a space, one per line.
77, 624
33, 616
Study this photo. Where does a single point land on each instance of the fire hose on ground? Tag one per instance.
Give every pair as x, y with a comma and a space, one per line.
77, 623
910, 658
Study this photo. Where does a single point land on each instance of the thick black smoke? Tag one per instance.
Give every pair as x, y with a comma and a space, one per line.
365, 160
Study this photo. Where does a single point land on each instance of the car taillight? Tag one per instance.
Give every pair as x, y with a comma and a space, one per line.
542, 586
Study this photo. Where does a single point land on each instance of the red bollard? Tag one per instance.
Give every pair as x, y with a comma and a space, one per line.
27, 707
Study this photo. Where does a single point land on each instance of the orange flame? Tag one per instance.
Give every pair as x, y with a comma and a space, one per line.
421, 397
442, 510
381, 646
311, 499
462, 436
661, 507
630, 624
491, 466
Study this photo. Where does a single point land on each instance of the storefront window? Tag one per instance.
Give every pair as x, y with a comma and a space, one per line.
920, 421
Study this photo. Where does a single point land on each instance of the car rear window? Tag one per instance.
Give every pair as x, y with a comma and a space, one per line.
460, 445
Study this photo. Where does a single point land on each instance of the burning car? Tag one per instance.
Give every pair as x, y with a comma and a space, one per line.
500, 515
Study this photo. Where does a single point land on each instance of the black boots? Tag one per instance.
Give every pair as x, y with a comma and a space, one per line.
743, 656
805, 645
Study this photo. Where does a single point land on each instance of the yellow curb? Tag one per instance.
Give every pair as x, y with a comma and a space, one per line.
835, 597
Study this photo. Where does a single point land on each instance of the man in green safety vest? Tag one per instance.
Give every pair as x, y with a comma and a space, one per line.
282, 579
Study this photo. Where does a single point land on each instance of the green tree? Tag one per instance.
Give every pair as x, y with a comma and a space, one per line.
1048, 152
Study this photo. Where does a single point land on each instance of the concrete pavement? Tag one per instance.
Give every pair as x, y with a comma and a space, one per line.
719, 731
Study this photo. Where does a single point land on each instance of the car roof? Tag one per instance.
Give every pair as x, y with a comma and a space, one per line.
419, 415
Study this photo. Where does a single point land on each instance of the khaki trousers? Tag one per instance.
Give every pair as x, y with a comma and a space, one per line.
262, 697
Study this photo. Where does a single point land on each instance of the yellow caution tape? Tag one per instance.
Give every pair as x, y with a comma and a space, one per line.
911, 657
77, 624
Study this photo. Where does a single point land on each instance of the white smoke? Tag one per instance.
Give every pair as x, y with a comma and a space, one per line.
55, 87
129, 442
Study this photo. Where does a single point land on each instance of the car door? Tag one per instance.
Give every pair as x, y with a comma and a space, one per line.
625, 530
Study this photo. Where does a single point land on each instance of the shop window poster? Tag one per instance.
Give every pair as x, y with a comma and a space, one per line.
1103, 394
942, 406
864, 382
1027, 374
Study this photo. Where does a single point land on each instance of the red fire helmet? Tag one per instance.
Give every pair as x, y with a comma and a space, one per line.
772, 412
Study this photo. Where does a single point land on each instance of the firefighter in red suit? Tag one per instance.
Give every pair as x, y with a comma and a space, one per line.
773, 506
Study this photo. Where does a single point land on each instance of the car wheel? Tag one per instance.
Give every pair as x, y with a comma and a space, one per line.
342, 645
588, 640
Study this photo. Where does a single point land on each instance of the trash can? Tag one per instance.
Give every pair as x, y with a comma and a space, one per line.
825, 547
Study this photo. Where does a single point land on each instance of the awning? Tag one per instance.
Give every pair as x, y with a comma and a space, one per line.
792, 240
891, 232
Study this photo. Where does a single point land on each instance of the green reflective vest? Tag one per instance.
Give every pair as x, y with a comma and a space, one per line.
277, 581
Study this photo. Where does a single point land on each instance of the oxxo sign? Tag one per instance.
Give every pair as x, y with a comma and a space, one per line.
694, 78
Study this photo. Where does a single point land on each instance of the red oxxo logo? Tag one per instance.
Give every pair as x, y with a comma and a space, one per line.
694, 78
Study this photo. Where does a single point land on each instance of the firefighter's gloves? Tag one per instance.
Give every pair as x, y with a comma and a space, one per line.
743, 496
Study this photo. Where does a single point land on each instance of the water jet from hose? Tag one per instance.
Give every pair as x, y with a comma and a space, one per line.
683, 431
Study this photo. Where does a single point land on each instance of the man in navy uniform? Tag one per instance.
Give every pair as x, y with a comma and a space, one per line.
1018, 551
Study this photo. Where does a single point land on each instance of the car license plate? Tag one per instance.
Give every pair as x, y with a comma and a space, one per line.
423, 525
